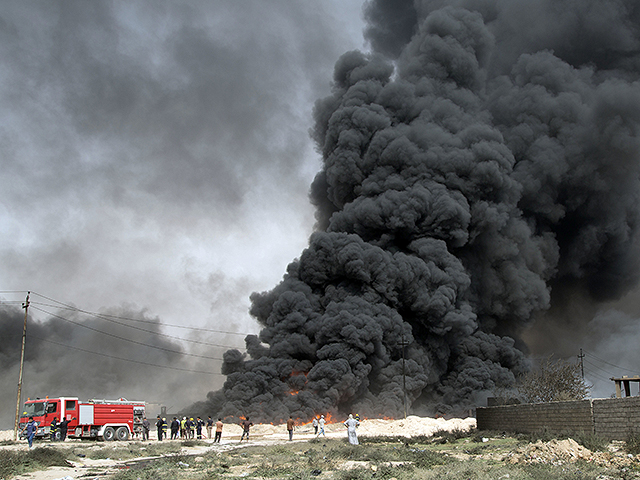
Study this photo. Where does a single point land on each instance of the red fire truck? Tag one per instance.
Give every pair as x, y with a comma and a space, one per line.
97, 419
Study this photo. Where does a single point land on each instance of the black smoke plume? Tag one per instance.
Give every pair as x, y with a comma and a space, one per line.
480, 167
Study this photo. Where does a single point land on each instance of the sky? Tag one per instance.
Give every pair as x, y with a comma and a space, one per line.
156, 156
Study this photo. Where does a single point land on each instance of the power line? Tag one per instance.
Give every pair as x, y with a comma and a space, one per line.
123, 338
611, 364
105, 318
71, 307
599, 368
592, 373
124, 359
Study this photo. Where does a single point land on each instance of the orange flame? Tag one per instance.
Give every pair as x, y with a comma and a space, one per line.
328, 418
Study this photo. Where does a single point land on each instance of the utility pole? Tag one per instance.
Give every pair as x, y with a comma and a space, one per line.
25, 305
581, 356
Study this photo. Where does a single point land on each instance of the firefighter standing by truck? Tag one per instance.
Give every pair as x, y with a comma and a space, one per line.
192, 428
53, 429
159, 428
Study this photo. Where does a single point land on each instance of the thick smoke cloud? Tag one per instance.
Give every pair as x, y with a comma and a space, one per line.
467, 174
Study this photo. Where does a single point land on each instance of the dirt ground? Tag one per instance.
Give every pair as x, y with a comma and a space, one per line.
556, 452
261, 434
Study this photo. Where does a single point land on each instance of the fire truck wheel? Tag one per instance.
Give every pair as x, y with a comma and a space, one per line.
122, 433
109, 434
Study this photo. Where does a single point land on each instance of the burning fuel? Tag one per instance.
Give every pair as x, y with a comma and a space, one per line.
475, 161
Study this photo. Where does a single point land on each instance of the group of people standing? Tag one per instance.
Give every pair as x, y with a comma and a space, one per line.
351, 423
318, 424
186, 428
58, 431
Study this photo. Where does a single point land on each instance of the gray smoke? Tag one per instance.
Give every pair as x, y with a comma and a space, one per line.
482, 156
57, 363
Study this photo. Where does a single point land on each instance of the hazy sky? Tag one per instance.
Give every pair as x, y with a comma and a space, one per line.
155, 154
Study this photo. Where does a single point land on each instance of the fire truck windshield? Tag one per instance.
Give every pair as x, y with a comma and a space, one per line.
33, 409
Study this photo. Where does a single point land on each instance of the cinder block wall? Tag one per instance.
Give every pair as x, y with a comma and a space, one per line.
555, 417
616, 418
611, 418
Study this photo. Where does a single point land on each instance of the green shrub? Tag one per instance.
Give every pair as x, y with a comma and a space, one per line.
428, 458
544, 435
593, 442
446, 436
632, 444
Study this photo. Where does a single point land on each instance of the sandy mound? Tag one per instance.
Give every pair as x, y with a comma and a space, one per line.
550, 452
407, 427
413, 426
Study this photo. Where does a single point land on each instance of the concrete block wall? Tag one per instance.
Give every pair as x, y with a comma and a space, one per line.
555, 417
611, 418
616, 418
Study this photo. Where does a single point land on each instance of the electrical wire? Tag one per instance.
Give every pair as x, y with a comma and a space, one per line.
125, 359
71, 307
107, 319
610, 364
591, 373
123, 338
110, 318
599, 368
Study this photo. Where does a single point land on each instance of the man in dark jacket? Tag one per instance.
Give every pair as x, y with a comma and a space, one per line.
159, 424
199, 425
146, 426
175, 428
63, 429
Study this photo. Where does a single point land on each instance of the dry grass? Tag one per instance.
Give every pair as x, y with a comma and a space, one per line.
452, 455
16, 462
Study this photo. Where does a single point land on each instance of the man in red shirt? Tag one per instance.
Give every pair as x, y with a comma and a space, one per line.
218, 431
290, 425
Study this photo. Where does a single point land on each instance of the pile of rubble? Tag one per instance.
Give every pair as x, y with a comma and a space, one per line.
558, 452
